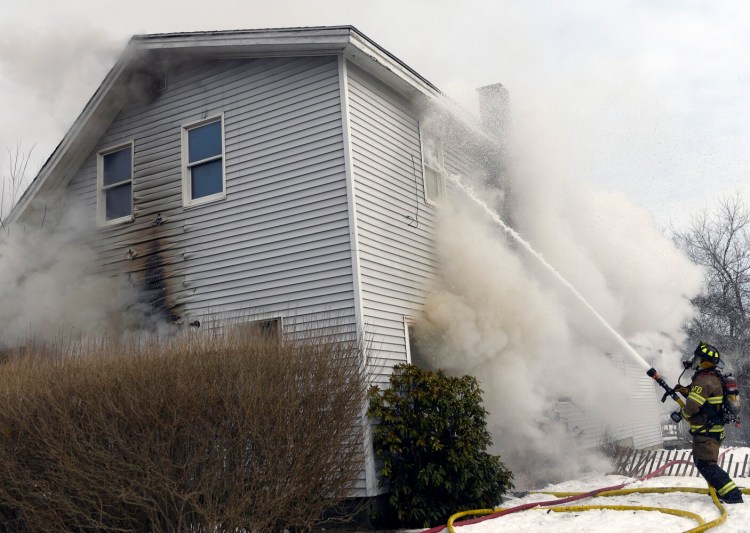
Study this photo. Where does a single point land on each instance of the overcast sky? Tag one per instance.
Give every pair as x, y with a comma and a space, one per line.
648, 98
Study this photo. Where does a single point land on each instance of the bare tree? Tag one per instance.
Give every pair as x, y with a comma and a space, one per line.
718, 239
14, 181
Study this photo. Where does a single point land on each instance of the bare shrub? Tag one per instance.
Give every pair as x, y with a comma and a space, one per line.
200, 433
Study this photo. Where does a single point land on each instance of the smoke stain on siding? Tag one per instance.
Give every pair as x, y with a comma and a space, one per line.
154, 267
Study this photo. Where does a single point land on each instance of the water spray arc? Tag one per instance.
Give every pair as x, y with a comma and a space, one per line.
520, 240
627, 348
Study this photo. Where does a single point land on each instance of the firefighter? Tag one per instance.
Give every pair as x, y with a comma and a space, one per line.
703, 405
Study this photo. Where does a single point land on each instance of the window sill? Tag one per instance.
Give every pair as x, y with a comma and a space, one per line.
203, 201
115, 222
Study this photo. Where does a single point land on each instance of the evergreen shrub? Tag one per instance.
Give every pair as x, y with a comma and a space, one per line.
432, 439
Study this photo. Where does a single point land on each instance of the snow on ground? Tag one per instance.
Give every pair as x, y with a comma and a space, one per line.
611, 521
619, 521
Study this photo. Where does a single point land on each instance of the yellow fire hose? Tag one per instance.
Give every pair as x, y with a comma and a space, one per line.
702, 524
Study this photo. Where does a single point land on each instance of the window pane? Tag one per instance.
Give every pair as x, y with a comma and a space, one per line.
416, 356
432, 149
206, 179
432, 185
118, 201
204, 142
117, 167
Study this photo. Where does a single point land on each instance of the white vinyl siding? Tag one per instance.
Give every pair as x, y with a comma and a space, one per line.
643, 430
278, 245
395, 226
646, 428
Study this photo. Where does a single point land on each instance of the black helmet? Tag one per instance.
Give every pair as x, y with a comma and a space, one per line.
707, 353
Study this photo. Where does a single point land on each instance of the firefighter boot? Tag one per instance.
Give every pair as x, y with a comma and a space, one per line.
733, 496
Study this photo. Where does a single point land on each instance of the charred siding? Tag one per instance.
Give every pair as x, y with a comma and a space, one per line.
278, 245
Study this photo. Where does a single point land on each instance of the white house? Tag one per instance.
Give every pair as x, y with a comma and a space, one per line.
286, 175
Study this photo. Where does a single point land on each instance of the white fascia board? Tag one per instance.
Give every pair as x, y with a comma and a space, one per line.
251, 43
379, 62
296, 42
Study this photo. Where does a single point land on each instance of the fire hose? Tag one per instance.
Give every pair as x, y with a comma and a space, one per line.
617, 490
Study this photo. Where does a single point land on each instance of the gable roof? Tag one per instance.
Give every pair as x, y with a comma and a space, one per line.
141, 50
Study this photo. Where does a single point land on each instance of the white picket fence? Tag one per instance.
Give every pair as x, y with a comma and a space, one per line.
638, 463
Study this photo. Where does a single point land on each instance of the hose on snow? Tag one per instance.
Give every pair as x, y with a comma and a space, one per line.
616, 490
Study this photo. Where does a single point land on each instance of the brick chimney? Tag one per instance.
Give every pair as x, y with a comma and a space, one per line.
494, 109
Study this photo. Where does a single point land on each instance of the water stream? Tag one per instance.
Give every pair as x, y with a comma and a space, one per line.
627, 348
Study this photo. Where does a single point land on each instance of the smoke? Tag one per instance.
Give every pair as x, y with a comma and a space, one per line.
58, 67
494, 312
51, 287
48, 73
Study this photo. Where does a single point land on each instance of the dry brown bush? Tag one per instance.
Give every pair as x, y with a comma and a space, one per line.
204, 433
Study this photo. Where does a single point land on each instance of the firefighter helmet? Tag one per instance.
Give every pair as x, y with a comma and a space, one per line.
706, 352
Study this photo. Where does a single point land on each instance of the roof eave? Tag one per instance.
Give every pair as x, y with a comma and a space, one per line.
348, 40
376, 59
106, 101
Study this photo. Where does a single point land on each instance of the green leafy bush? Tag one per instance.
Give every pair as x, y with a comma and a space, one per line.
432, 438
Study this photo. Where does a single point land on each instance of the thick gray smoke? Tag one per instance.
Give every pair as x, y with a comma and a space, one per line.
50, 73
51, 287
497, 314
49, 280
56, 70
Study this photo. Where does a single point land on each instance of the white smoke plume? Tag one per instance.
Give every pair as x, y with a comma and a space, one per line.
50, 73
57, 68
51, 287
497, 314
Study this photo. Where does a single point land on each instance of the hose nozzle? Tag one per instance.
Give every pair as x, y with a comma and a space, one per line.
669, 391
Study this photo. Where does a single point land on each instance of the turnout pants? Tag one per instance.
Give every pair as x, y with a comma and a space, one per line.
706, 455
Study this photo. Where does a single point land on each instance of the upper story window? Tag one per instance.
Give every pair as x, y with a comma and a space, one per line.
115, 184
434, 169
203, 161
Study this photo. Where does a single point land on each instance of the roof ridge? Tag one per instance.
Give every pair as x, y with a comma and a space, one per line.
242, 31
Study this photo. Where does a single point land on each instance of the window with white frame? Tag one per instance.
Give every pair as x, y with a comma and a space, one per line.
433, 170
203, 161
115, 184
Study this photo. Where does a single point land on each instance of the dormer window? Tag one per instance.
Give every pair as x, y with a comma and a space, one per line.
203, 178
115, 184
